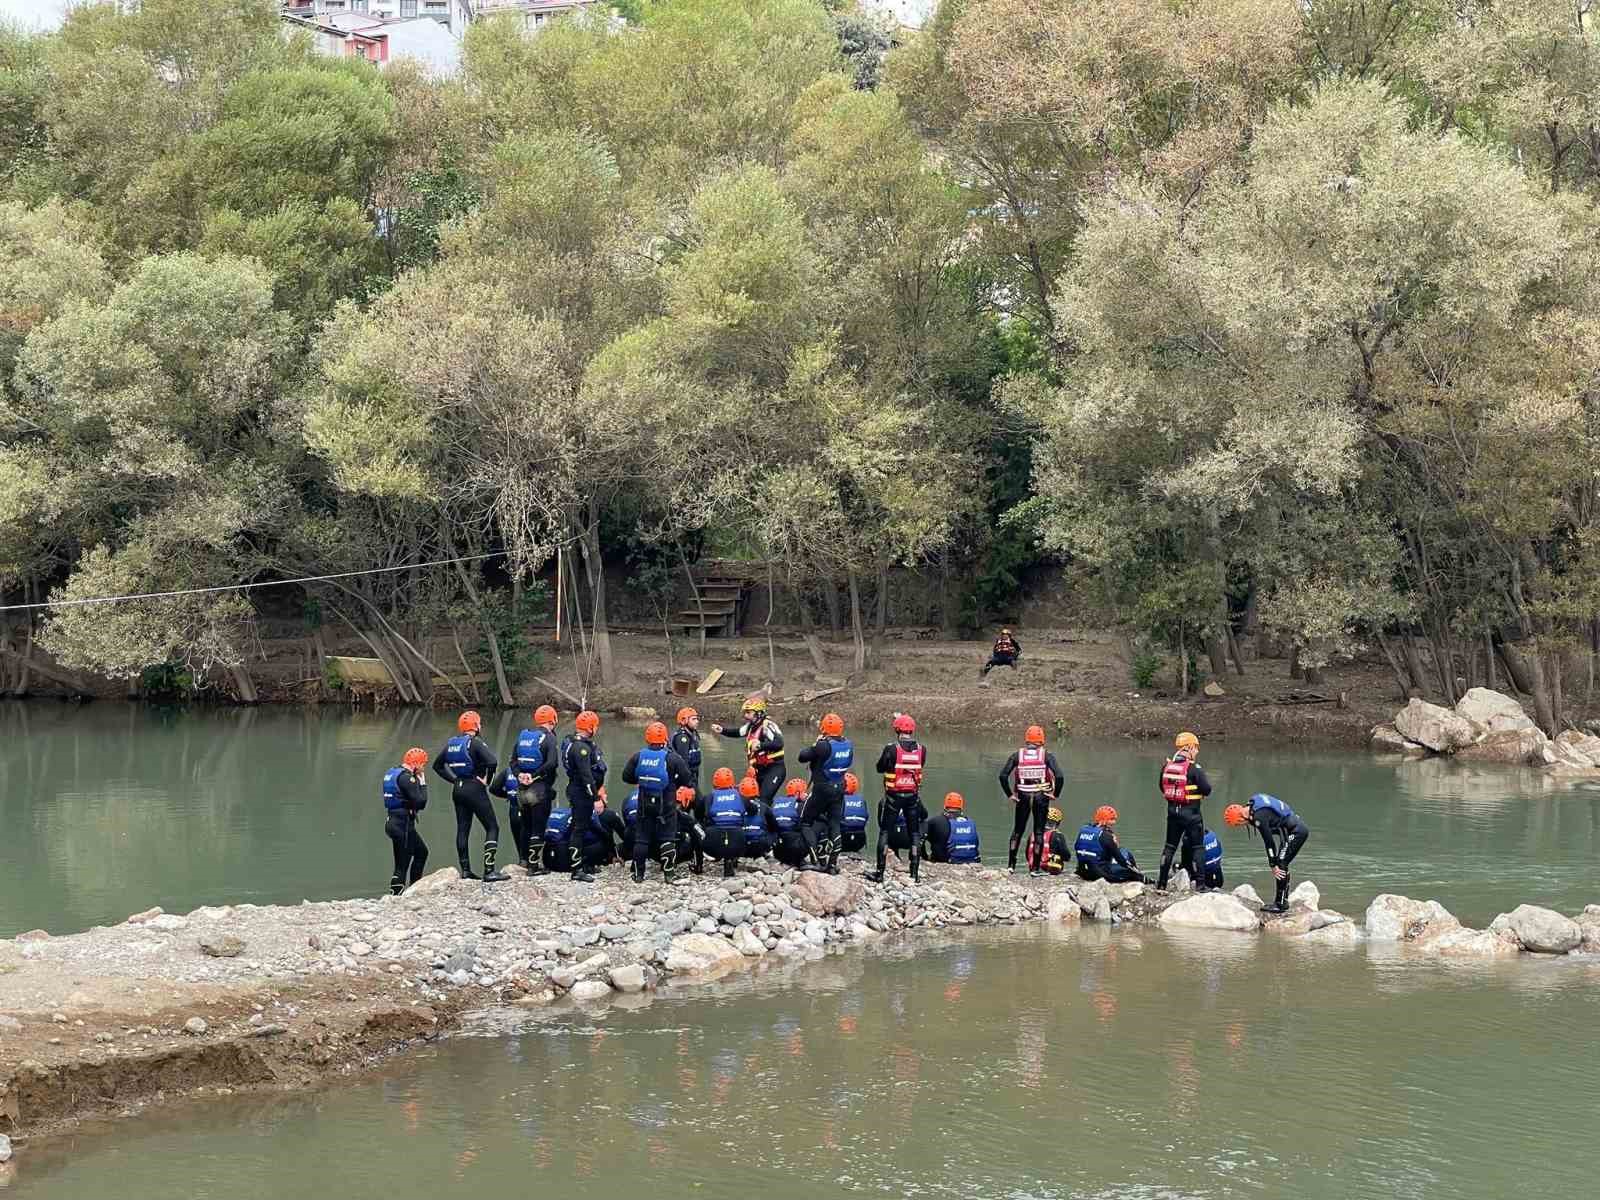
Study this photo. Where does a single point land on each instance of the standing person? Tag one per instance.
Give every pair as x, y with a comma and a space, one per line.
1006, 652
686, 744
536, 755
586, 782
1100, 854
1281, 831
763, 745
952, 835
1183, 786
659, 772
1054, 853
830, 758
405, 794
467, 763
901, 764
507, 784
853, 816
783, 820
1030, 779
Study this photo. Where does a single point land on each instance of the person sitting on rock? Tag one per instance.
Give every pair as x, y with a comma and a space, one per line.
1282, 832
1005, 654
692, 827
853, 822
1210, 863
783, 823
1100, 854
1053, 853
630, 823
600, 838
951, 837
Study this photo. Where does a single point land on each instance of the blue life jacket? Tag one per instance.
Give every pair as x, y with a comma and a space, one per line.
651, 768
726, 809
786, 812
839, 761
458, 756
529, 754
1087, 847
963, 840
755, 831
630, 809
1210, 851
855, 813
1261, 800
391, 790
559, 826
509, 783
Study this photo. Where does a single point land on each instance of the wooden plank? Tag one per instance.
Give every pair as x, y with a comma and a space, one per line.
709, 682
808, 697
361, 670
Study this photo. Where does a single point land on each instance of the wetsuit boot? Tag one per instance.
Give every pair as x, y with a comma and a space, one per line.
535, 862
1011, 853
669, 860
466, 870
1166, 870
490, 875
727, 868
396, 885
1280, 898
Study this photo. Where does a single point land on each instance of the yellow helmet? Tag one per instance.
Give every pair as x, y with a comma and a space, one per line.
756, 703
1186, 741
1053, 816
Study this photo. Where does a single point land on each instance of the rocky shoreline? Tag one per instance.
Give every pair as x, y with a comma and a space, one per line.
239, 998
1488, 726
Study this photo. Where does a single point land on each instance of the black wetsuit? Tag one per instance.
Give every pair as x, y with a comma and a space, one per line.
605, 830
1006, 652
586, 774
1024, 805
936, 838
1115, 865
658, 814
768, 759
1185, 824
686, 745
470, 795
532, 810
907, 805
410, 851
1283, 837
824, 807
1057, 854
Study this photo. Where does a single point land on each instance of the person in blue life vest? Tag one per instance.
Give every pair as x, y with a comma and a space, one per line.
783, 823
1030, 779
1210, 863
1183, 786
467, 764
901, 764
586, 769
1053, 853
405, 794
830, 758
630, 825
763, 745
535, 756
1282, 832
951, 836
1100, 854
853, 816
658, 772
728, 810
686, 744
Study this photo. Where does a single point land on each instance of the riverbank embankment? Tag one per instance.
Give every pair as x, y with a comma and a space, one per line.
229, 999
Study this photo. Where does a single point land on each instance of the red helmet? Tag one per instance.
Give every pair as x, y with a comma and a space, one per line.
852, 785
685, 797
832, 725
1105, 815
795, 787
469, 722
545, 715
723, 778
749, 787
1034, 736
415, 759
904, 724
954, 800
1236, 814
588, 722
655, 734
685, 715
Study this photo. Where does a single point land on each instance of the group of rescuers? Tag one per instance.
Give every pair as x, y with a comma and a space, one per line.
803, 823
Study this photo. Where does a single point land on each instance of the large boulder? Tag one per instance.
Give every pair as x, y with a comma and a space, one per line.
1062, 907
703, 956
1462, 942
442, 880
1515, 746
1577, 749
1340, 933
1439, 729
1589, 924
1494, 712
824, 895
1392, 918
1306, 893
1386, 739
1541, 930
1211, 910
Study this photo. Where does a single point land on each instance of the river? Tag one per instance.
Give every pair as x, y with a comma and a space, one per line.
1092, 1062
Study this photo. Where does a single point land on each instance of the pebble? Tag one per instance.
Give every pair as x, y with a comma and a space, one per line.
195, 1025
169, 922
705, 925
590, 989
221, 945
360, 949
5, 1148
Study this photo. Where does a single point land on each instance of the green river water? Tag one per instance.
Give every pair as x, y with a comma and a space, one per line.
1026, 1063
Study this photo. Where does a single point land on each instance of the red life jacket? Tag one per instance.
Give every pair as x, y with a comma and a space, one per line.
752, 745
1032, 773
907, 776
1175, 785
1053, 862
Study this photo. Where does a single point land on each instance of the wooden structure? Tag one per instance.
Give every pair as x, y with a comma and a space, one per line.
724, 603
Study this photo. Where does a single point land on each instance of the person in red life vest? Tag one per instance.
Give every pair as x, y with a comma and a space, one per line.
1183, 786
1006, 652
901, 764
763, 745
1054, 853
1030, 779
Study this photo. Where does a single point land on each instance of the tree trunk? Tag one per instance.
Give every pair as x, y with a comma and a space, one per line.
321, 651
1233, 650
1251, 626
373, 639
1183, 663
880, 623
1517, 667
947, 620
243, 682
772, 653
506, 696
1217, 652
830, 601
1558, 705
699, 604
1543, 711
855, 622
1294, 663
808, 629
1395, 665
1313, 674
1488, 663
25, 669
1419, 677
1444, 666
599, 628
467, 672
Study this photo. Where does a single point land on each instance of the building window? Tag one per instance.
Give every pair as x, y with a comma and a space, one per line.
359, 6
408, 8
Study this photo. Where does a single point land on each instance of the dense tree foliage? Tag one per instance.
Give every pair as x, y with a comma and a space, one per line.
1252, 314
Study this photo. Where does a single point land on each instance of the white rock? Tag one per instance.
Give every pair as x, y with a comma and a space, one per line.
1101, 910
628, 979
1540, 930
1062, 907
1493, 712
168, 922
591, 965
590, 989
1437, 728
703, 955
747, 943
1386, 739
1513, 746
1211, 910
360, 949
1307, 894
1342, 933
1392, 918
816, 932
5, 1148
443, 880
195, 1025
1577, 748
1247, 894
1461, 942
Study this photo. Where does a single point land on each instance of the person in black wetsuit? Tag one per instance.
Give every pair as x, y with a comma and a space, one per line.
405, 794
763, 745
1056, 853
686, 744
467, 764
901, 764
605, 829
586, 782
1031, 779
1100, 854
783, 823
535, 756
830, 758
1183, 786
658, 773
1282, 832
691, 828
951, 835
1006, 652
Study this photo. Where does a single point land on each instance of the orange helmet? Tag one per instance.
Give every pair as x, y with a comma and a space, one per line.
1236, 814
749, 787
415, 759
1034, 736
685, 797
954, 800
832, 725
469, 722
588, 722
1186, 741
545, 715
904, 724
722, 778
655, 734
685, 715
795, 787
1105, 815
852, 785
